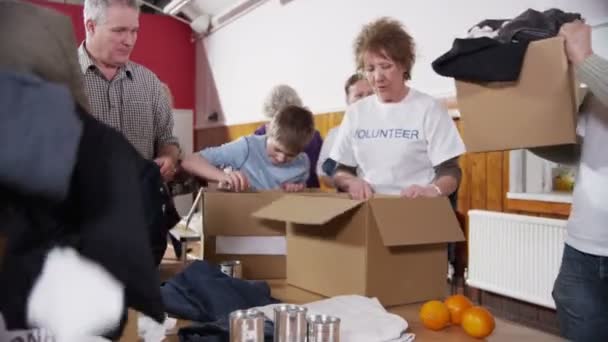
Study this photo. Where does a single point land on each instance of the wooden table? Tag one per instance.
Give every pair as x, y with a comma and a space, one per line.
505, 331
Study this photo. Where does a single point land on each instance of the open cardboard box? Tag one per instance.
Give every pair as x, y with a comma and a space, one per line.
388, 247
231, 233
537, 110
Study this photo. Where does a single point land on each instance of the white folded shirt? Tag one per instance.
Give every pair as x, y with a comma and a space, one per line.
362, 319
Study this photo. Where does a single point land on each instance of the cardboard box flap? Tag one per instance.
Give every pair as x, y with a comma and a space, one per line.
229, 214
306, 209
404, 222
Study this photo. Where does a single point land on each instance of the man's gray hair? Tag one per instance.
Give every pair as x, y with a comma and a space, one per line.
95, 10
280, 97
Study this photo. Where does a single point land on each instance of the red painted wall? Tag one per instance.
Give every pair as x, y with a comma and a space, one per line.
163, 45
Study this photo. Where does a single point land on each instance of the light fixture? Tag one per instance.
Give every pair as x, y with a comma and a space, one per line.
200, 25
175, 6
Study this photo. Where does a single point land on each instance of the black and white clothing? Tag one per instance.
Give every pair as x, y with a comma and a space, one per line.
495, 48
94, 204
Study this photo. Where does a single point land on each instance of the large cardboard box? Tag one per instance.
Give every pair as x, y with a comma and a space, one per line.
388, 247
230, 232
537, 110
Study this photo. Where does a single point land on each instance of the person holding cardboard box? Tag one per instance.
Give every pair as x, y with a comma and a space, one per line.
261, 162
404, 142
581, 288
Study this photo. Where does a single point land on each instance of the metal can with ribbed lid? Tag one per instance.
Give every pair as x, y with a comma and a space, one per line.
290, 323
323, 328
246, 326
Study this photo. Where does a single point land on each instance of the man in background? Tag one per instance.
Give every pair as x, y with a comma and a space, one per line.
356, 88
123, 94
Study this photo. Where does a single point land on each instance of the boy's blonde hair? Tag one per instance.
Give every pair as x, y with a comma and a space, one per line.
293, 127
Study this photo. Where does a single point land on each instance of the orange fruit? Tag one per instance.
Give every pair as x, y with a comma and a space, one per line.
478, 322
457, 304
435, 315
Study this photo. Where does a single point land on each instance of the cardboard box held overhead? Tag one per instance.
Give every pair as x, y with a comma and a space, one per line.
537, 110
390, 248
231, 233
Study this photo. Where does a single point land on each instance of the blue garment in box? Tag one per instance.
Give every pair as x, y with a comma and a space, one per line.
202, 293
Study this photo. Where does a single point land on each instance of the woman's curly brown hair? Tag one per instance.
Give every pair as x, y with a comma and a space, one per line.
386, 36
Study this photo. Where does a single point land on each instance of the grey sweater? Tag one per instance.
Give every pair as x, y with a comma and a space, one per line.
588, 223
39, 136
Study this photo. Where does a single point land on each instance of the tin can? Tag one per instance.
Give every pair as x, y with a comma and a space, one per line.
322, 328
232, 268
290, 323
247, 326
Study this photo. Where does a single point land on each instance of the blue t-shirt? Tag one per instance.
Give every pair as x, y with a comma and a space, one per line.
248, 155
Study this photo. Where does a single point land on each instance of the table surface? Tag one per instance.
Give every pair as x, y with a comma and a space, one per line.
505, 330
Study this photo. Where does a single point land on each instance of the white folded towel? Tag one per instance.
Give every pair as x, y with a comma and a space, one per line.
362, 319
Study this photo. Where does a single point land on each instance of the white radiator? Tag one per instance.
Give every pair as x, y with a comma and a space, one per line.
515, 255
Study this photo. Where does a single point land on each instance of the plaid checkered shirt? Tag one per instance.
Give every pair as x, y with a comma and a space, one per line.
133, 102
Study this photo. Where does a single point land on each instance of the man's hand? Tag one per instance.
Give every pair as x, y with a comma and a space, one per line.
359, 189
416, 191
168, 167
578, 41
234, 181
293, 187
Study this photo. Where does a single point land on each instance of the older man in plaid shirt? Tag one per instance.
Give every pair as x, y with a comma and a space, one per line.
124, 94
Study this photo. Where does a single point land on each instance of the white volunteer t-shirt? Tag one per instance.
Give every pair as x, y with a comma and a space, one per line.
396, 145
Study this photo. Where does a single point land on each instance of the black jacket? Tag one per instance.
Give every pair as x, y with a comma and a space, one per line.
500, 60
206, 296
101, 214
159, 208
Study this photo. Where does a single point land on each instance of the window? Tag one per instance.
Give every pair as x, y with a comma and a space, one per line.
534, 178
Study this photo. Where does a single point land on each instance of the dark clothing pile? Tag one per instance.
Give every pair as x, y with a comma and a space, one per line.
159, 208
533, 25
205, 295
498, 56
217, 332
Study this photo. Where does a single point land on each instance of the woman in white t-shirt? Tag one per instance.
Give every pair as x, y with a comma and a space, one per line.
402, 141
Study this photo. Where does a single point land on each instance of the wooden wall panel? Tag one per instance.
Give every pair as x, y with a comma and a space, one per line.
463, 203
464, 191
505, 177
333, 120
494, 179
217, 135
322, 124
214, 136
546, 209
479, 180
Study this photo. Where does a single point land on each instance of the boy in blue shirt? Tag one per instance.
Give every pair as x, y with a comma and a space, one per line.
264, 162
